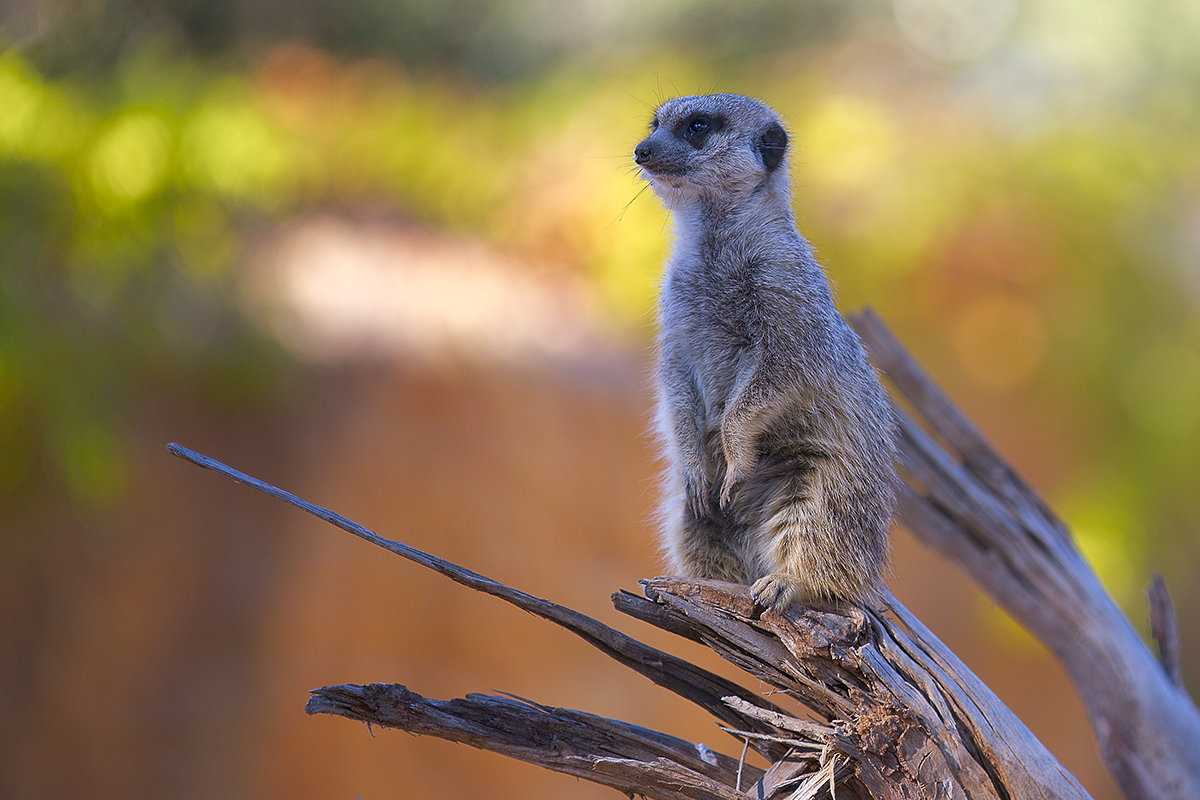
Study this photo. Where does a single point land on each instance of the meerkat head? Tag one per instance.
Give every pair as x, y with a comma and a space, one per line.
715, 147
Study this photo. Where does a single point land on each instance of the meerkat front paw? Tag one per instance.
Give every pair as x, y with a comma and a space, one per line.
740, 461
697, 490
776, 591
734, 476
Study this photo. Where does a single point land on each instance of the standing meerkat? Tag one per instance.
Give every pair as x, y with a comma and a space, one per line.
779, 437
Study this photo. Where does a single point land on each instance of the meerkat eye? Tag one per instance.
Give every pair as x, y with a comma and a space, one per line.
695, 131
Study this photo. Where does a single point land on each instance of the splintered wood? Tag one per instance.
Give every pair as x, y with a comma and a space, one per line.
899, 716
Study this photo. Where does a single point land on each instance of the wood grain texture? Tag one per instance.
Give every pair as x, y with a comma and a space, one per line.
966, 502
900, 716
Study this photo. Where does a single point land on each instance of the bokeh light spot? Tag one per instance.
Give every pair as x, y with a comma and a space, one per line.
229, 145
954, 30
847, 142
129, 160
20, 97
1000, 341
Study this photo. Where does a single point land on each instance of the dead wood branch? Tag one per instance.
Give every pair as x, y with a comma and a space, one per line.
905, 718
1164, 627
702, 687
627, 757
970, 505
905, 711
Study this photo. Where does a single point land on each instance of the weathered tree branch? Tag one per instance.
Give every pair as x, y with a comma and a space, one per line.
967, 503
903, 717
626, 757
1164, 627
702, 687
906, 719
910, 716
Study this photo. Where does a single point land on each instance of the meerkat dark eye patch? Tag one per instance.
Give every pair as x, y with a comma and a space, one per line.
771, 146
696, 129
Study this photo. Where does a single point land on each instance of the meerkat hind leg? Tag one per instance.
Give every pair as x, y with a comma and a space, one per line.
801, 562
701, 551
786, 558
804, 571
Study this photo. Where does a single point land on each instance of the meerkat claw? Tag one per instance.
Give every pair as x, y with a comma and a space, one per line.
697, 492
776, 591
728, 487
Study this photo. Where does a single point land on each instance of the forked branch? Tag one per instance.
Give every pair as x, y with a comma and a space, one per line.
970, 505
903, 718
899, 715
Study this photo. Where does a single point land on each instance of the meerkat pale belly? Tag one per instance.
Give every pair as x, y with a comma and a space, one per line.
778, 436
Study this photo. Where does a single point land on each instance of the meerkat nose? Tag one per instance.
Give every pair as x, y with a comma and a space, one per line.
643, 152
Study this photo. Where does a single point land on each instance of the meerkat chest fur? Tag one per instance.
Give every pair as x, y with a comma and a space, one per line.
741, 293
778, 437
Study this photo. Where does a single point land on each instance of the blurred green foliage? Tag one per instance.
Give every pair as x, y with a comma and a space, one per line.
1027, 216
117, 240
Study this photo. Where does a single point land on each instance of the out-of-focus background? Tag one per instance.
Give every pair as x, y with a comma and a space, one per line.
392, 256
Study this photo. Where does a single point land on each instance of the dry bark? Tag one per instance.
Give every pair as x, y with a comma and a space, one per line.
902, 716
626, 757
971, 506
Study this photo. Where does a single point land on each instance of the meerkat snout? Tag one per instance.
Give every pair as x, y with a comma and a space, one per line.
658, 155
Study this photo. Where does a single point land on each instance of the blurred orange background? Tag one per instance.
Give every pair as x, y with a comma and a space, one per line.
394, 258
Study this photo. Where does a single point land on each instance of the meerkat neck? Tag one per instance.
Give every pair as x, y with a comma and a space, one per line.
705, 222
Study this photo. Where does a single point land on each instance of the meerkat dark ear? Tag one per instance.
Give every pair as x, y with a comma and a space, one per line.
771, 146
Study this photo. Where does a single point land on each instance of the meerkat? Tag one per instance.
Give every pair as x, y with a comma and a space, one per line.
778, 436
